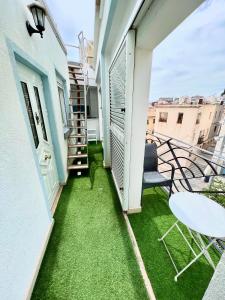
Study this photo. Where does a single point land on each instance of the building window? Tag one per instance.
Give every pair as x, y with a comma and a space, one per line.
44, 134
163, 117
201, 137
215, 128
153, 121
180, 118
147, 122
30, 113
62, 104
198, 118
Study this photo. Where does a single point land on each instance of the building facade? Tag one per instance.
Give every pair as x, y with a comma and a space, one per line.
193, 124
34, 95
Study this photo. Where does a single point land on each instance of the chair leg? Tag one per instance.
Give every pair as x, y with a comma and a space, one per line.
170, 192
142, 191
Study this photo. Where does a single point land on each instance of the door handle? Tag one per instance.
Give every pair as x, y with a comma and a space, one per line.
37, 118
48, 156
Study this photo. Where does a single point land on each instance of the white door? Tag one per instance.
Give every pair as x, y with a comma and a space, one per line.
32, 88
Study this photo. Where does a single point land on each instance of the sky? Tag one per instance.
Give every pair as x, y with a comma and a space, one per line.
189, 62
71, 17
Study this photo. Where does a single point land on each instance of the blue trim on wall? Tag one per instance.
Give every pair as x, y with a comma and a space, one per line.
16, 54
66, 129
24, 58
13, 58
66, 94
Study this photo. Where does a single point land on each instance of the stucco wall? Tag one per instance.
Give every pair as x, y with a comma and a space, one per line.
188, 131
24, 216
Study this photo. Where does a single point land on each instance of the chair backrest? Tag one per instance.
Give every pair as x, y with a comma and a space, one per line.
151, 158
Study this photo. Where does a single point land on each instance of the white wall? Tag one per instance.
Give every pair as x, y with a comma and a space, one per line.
24, 216
155, 23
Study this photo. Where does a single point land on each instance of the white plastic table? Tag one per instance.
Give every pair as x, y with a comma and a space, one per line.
201, 215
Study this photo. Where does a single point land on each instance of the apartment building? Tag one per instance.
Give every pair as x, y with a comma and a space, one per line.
151, 119
194, 124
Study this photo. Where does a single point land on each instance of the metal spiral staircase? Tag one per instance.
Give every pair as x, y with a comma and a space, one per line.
77, 120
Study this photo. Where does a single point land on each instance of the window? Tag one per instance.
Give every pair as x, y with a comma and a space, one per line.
163, 117
147, 122
215, 128
92, 103
153, 121
41, 118
30, 113
62, 104
180, 118
198, 118
201, 137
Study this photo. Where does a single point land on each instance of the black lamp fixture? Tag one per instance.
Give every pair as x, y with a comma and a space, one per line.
39, 12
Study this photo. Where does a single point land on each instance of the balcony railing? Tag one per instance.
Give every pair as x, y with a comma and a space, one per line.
195, 169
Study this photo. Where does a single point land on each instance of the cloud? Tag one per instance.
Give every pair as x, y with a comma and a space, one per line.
191, 60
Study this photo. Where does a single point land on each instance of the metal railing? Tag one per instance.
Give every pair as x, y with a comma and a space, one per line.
190, 163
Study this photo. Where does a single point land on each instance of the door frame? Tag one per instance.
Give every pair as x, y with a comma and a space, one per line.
18, 55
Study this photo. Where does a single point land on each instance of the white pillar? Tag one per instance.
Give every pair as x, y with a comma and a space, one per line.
143, 59
105, 111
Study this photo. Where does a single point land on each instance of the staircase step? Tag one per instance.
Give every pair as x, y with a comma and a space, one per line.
77, 146
78, 79
77, 167
74, 120
77, 155
78, 97
77, 127
77, 136
71, 104
74, 72
78, 85
75, 67
77, 112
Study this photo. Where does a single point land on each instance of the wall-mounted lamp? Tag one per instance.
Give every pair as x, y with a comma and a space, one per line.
39, 13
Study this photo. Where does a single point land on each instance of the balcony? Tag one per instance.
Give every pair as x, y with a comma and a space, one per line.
90, 256
151, 224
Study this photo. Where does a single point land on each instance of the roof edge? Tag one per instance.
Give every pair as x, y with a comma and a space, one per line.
53, 26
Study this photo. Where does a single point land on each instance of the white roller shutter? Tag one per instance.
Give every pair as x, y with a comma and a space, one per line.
120, 114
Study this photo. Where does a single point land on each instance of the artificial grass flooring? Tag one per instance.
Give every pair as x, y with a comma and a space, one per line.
89, 255
154, 220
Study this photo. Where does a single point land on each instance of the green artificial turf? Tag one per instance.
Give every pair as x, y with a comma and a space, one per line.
89, 255
154, 220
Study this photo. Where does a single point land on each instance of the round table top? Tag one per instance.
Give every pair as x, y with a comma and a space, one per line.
199, 213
